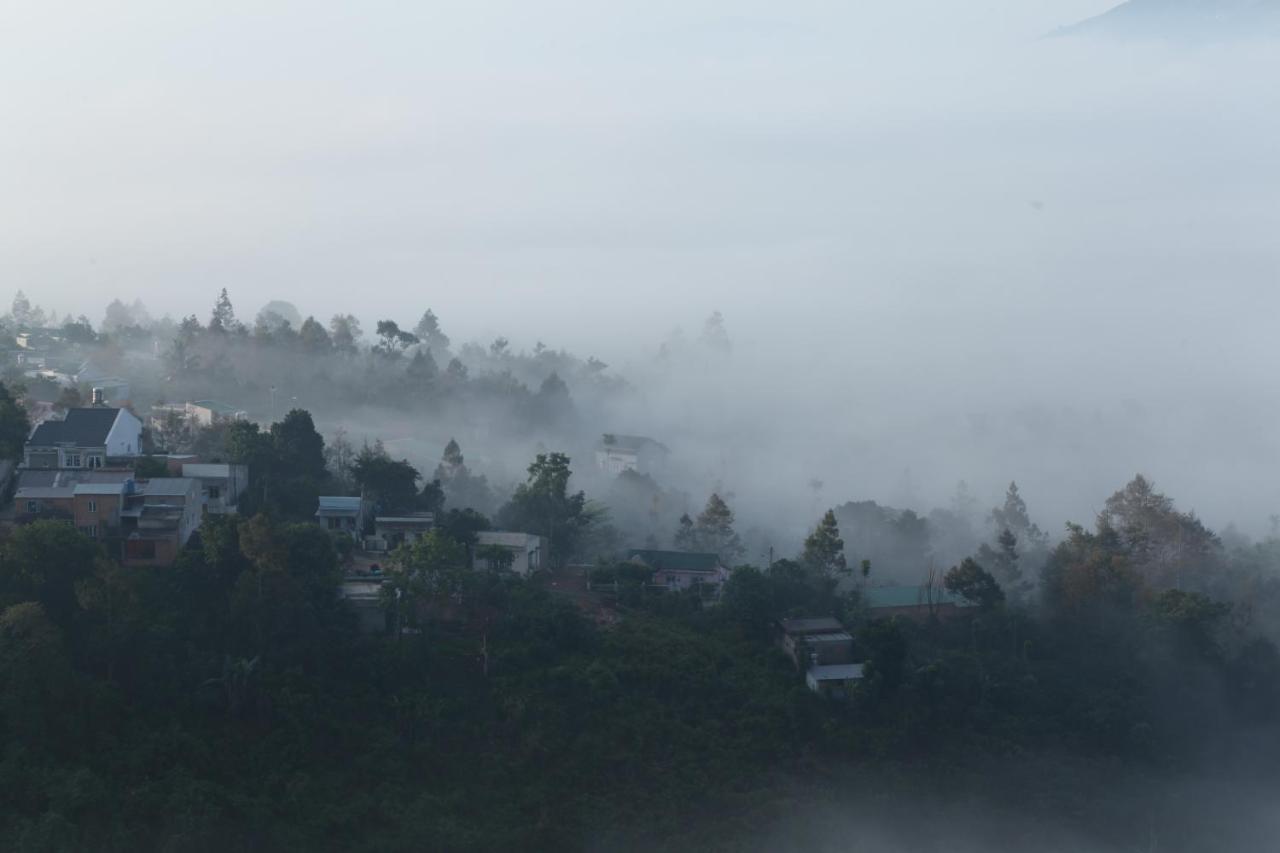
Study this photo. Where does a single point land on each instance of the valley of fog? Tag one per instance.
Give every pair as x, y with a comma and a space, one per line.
945, 248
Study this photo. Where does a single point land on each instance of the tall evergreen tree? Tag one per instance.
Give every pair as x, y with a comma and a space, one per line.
461, 488
824, 549
1012, 515
714, 531
429, 331
224, 316
1004, 562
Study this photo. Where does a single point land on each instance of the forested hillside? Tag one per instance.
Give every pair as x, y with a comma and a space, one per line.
230, 703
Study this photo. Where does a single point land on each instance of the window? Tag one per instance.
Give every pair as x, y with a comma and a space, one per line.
33, 506
90, 530
93, 506
73, 460
214, 493
94, 461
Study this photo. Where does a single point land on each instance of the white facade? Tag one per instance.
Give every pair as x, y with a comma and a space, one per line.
618, 453
836, 680
527, 551
125, 438
220, 485
615, 460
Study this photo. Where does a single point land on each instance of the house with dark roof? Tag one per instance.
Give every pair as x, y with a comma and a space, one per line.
816, 642
681, 569
618, 453
85, 438
823, 650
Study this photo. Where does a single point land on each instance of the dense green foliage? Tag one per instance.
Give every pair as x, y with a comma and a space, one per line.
229, 703
14, 426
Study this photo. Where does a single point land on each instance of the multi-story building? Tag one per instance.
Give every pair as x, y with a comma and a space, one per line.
85, 438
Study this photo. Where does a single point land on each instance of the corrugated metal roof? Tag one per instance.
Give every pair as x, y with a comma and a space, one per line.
832, 637
675, 561
206, 470
44, 493
835, 672
426, 518
38, 477
216, 406
168, 486
100, 489
910, 596
508, 538
820, 625
335, 504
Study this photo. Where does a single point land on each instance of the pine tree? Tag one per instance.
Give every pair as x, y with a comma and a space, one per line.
428, 329
224, 316
460, 487
423, 366
1004, 561
714, 531
824, 549
1013, 516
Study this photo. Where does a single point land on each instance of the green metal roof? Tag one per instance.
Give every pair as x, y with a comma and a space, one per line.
675, 561
216, 406
910, 596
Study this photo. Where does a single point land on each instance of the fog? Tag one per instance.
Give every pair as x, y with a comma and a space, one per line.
945, 247
827, 254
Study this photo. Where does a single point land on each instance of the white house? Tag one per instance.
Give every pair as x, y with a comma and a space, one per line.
681, 569
85, 438
201, 413
527, 551
220, 485
618, 453
392, 531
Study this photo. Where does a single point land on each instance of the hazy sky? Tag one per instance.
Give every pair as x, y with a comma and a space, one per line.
544, 151
987, 247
